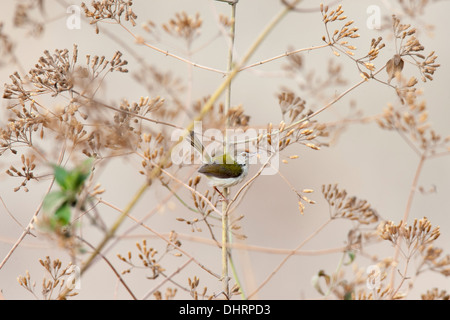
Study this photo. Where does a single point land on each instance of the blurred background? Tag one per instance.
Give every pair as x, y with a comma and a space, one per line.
368, 162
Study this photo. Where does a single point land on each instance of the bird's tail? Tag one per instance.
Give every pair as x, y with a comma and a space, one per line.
197, 144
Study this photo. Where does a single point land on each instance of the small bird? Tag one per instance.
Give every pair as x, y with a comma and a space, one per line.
222, 171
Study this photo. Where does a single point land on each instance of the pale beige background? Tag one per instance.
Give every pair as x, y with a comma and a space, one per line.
371, 164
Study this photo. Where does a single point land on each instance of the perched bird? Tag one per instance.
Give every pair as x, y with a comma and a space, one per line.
222, 171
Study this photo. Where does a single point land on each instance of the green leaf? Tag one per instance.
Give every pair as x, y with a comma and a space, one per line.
61, 175
72, 180
352, 256
57, 204
53, 201
63, 214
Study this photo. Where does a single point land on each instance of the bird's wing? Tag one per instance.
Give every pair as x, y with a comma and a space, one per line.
221, 171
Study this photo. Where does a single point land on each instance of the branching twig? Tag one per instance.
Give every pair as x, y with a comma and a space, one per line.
168, 278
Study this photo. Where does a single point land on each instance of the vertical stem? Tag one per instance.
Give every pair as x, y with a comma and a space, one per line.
412, 192
190, 83
225, 222
225, 278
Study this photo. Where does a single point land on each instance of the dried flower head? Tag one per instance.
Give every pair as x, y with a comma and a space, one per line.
25, 16
26, 172
6, 47
113, 10
184, 26
60, 279
345, 207
148, 258
368, 60
193, 286
436, 294
415, 236
411, 121
409, 46
434, 261
300, 128
337, 39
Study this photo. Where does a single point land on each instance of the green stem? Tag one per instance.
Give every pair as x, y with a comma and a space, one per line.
236, 277
179, 198
225, 278
226, 253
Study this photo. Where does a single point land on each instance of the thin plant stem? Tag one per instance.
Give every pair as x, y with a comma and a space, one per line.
30, 224
286, 54
338, 268
245, 247
412, 193
110, 234
167, 53
12, 216
235, 276
225, 250
312, 115
226, 253
113, 269
26, 231
174, 246
129, 230
312, 235
211, 205
153, 290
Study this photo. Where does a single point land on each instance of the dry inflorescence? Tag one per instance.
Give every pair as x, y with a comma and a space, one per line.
150, 258
436, 294
410, 120
417, 235
184, 26
409, 46
110, 10
297, 127
60, 278
342, 206
26, 171
26, 15
339, 38
80, 121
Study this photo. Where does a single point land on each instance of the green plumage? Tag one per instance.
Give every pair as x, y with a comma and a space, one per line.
221, 170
